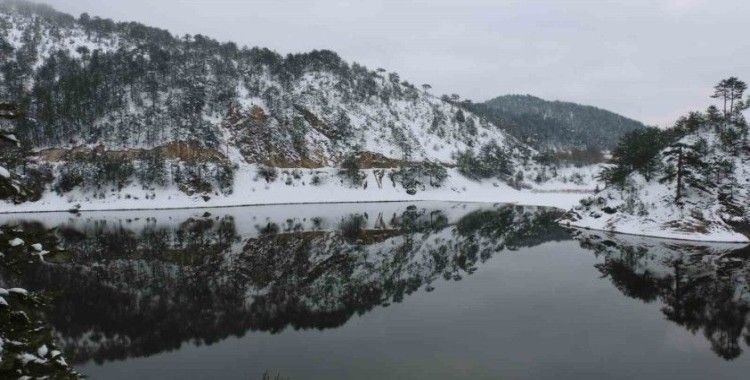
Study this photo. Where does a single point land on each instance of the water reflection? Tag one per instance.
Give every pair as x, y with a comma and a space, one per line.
136, 287
125, 285
703, 287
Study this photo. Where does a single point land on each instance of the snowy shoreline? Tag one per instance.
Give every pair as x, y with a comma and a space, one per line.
663, 235
563, 197
294, 187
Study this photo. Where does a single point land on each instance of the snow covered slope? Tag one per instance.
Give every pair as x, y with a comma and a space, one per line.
124, 115
695, 188
310, 107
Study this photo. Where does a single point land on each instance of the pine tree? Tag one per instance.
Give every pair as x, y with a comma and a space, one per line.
686, 168
721, 91
460, 116
635, 152
730, 91
736, 88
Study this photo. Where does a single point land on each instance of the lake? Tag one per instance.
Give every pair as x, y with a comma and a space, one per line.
423, 290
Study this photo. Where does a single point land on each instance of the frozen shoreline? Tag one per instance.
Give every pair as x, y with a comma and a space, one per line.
252, 191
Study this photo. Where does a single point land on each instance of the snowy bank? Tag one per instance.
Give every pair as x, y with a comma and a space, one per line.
296, 186
629, 225
647, 209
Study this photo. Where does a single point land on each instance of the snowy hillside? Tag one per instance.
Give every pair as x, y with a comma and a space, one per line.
310, 106
120, 111
693, 184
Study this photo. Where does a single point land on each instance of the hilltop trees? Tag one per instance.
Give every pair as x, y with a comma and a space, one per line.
730, 92
700, 154
154, 87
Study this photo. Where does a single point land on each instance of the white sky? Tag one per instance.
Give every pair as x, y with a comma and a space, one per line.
646, 59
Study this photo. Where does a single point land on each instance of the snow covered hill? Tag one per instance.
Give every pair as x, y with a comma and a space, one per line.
120, 111
694, 186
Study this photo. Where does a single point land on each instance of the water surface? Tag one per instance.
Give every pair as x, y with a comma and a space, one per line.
395, 290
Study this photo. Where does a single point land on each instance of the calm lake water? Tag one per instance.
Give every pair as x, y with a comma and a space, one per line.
384, 291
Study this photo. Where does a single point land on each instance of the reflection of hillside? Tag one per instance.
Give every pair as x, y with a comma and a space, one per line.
28, 348
704, 287
124, 292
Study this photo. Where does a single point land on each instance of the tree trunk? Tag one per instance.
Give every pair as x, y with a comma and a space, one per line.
678, 193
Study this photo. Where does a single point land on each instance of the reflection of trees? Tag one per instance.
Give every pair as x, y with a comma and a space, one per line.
27, 345
122, 292
119, 291
704, 288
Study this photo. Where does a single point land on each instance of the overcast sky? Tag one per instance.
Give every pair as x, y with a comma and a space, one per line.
651, 60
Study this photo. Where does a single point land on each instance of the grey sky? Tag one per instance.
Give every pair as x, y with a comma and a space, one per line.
649, 60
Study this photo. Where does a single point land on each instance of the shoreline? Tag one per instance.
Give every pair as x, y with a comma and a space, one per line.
663, 236
267, 204
249, 190
666, 236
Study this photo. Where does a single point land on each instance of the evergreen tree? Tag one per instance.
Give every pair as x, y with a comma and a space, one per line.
730, 92
686, 168
460, 116
636, 151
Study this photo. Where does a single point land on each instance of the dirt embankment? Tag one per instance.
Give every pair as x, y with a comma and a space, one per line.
179, 150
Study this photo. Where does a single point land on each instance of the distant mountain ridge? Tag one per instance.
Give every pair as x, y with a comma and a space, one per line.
556, 125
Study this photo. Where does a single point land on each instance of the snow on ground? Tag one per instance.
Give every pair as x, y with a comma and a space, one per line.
633, 225
572, 178
652, 212
249, 189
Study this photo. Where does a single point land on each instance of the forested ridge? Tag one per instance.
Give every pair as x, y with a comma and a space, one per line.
556, 125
